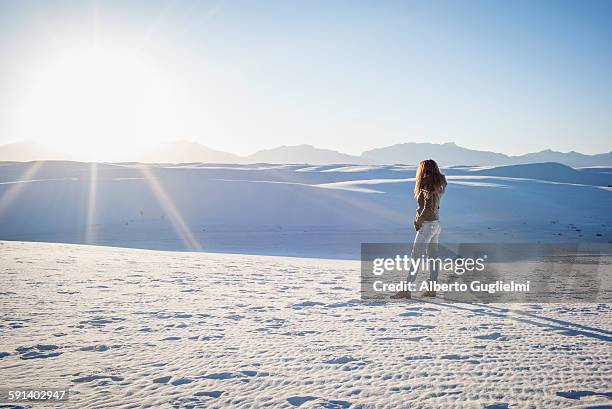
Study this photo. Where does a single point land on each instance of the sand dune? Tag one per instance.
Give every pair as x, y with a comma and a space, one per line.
135, 328
323, 211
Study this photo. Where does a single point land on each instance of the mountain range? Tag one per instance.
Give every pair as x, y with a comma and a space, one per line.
446, 154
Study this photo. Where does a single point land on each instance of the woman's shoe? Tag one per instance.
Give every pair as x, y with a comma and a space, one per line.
429, 294
400, 295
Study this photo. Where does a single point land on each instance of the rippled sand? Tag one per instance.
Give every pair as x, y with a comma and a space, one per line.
137, 328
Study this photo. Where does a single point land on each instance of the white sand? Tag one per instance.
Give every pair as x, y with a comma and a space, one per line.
137, 328
325, 211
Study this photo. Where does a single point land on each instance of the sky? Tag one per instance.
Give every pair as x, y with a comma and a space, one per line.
239, 76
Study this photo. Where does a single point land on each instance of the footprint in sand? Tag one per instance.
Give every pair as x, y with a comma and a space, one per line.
581, 394
306, 304
419, 327
465, 358
233, 375
495, 336
210, 337
410, 314
95, 348
91, 378
300, 400
210, 394
221, 376
417, 357
341, 360
100, 321
181, 381
38, 351
332, 404
171, 339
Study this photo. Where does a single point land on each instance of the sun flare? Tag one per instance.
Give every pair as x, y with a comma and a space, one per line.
100, 103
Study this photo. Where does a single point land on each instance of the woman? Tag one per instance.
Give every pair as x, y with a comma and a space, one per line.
429, 186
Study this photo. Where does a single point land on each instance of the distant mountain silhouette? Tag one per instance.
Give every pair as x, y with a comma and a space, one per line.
185, 151
302, 154
446, 154
571, 158
27, 151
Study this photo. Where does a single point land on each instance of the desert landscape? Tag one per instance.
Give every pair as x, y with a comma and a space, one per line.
214, 204
139, 328
154, 315
294, 209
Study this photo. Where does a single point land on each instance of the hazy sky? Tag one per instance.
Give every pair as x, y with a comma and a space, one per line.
507, 76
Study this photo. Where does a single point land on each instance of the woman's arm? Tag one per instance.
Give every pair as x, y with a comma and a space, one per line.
426, 207
419, 211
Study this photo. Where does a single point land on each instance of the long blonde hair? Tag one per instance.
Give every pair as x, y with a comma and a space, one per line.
429, 179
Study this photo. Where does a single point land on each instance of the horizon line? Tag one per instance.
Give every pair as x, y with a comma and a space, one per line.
54, 151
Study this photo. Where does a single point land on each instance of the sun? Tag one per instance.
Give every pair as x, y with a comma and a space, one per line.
100, 103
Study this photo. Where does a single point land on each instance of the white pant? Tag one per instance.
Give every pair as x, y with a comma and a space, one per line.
426, 244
